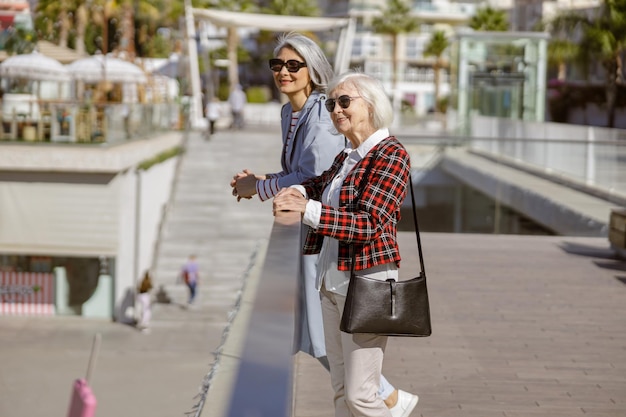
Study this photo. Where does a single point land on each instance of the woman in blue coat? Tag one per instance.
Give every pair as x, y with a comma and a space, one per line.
310, 143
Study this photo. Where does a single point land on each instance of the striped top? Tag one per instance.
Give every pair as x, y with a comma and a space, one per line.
269, 187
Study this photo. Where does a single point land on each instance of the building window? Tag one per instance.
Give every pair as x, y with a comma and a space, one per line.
414, 48
367, 47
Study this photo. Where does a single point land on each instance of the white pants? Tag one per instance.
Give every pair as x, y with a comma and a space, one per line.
356, 362
146, 312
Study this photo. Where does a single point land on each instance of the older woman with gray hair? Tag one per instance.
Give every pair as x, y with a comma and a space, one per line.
355, 206
302, 72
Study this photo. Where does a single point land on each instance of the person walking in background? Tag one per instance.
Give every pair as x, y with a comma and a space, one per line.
353, 209
212, 111
191, 276
310, 143
143, 297
237, 100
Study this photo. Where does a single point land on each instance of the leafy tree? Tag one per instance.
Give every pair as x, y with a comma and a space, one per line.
436, 47
20, 41
82, 17
560, 53
395, 19
54, 17
124, 12
602, 38
489, 19
116, 24
149, 17
293, 8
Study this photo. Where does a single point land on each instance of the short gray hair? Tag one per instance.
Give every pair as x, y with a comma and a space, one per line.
319, 68
371, 90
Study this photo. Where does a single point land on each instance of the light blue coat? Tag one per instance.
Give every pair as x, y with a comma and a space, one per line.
309, 153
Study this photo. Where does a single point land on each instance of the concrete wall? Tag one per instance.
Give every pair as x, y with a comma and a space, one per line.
142, 216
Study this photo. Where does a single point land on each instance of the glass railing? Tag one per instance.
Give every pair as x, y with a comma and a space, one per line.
584, 157
593, 165
63, 122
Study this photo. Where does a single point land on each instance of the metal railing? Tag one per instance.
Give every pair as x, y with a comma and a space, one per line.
263, 382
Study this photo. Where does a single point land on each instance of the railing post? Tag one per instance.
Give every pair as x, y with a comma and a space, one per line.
590, 160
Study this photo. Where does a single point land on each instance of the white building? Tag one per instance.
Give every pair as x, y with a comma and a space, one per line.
372, 52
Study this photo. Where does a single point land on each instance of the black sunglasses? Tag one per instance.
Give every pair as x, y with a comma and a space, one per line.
344, 102
292, 65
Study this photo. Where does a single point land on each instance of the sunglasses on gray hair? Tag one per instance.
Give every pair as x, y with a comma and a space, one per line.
292, 65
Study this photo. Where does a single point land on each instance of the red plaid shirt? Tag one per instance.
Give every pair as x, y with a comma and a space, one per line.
369, 221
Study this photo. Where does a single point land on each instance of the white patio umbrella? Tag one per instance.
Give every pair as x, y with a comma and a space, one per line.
98, 68
34, 66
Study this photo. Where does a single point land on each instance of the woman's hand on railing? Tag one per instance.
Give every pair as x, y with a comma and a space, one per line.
289, 199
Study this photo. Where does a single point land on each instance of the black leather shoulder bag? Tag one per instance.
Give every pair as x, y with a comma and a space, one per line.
392, 308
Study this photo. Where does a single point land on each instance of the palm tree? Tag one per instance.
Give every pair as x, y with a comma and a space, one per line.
124, 12
560, 53
82, 18
150, 15
232, 38
395, 19
489, 19
66, 22
53, 17
20, 41
127, 22
602, 39
436, 47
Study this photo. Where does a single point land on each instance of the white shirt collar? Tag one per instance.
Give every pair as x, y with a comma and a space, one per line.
372, 141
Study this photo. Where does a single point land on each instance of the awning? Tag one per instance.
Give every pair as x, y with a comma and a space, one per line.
34, 66
269, 21
97, 68
280, 23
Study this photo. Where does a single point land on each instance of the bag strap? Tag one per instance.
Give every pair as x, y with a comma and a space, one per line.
417, 230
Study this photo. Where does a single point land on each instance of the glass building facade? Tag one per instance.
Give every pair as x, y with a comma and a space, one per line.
499, 74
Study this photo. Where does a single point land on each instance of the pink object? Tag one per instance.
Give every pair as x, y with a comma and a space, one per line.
83, 402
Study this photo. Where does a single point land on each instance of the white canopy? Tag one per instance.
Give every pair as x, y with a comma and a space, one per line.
97, 68
269, 21
34, 66
277, 23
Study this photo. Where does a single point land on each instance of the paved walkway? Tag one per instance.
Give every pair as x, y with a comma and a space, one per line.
524, 326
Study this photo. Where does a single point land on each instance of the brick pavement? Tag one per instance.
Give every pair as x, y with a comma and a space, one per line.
523, 326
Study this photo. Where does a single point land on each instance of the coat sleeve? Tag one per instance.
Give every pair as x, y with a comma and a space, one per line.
319, 147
